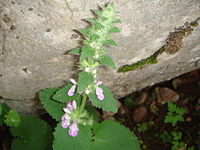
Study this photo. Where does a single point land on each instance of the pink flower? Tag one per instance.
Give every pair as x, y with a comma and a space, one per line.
73, 88
99, 91
73, 129
66, 119
71, 105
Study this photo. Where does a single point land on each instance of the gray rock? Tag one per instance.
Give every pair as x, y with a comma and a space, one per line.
35, 35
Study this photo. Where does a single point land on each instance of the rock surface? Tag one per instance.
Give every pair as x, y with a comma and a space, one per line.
35, 35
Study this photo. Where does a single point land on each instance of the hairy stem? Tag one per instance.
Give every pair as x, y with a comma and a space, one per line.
83, 102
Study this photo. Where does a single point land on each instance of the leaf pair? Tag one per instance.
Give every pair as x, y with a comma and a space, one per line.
109, 135
55, 99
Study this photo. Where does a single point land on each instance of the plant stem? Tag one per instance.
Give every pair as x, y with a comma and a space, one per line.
83, 102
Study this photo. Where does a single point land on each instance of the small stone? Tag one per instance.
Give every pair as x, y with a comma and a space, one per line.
188, 119
140, 114
166, 95
191, 77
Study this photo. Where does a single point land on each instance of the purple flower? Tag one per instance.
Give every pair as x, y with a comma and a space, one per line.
71, 105
73, 129
66, 119
99, 91
73, 88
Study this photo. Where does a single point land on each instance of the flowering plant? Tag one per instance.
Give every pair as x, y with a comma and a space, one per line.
78, 125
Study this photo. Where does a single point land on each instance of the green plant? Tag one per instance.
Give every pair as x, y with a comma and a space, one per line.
174, 114
142, 127
176, 141
9, 116
32, 134
78, 128
29, 132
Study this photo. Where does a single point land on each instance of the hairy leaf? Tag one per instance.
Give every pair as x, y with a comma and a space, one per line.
94, 37
4, 110
110, 135
107, 60
114, 30
84, 80
110, 42
108, 104
32, 134
54, 108
86, 52
84, 32
61, 95
12, 119
63, 141
75, 51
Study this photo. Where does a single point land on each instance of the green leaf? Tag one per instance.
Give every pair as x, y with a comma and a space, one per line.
32, 134
62, 141
110, 42
84, 32
54, 108
94, 37
12, 119
91, 20
110, 135
114, 30
84, 80
61, 95
98, 26
108, 103
86, 52
175, 114
5, 109
97, 12
75, 51
107, 60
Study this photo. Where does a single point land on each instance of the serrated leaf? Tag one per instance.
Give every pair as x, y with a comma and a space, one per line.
54, 108
32, 134
84, 80
5, 110
110, 135
97, 12
114, 30
12, 119
98, 26
84, 32
61, 95
94, 37
75, 51
108, 103
62, 141
86, 52
110, 42
91, 20
107, 60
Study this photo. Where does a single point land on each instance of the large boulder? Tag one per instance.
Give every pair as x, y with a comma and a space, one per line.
36, 34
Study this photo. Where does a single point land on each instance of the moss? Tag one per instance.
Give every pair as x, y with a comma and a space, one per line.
173, 44
150, 60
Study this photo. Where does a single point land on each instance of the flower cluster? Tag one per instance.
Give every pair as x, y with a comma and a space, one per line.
99, 91
67, 121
